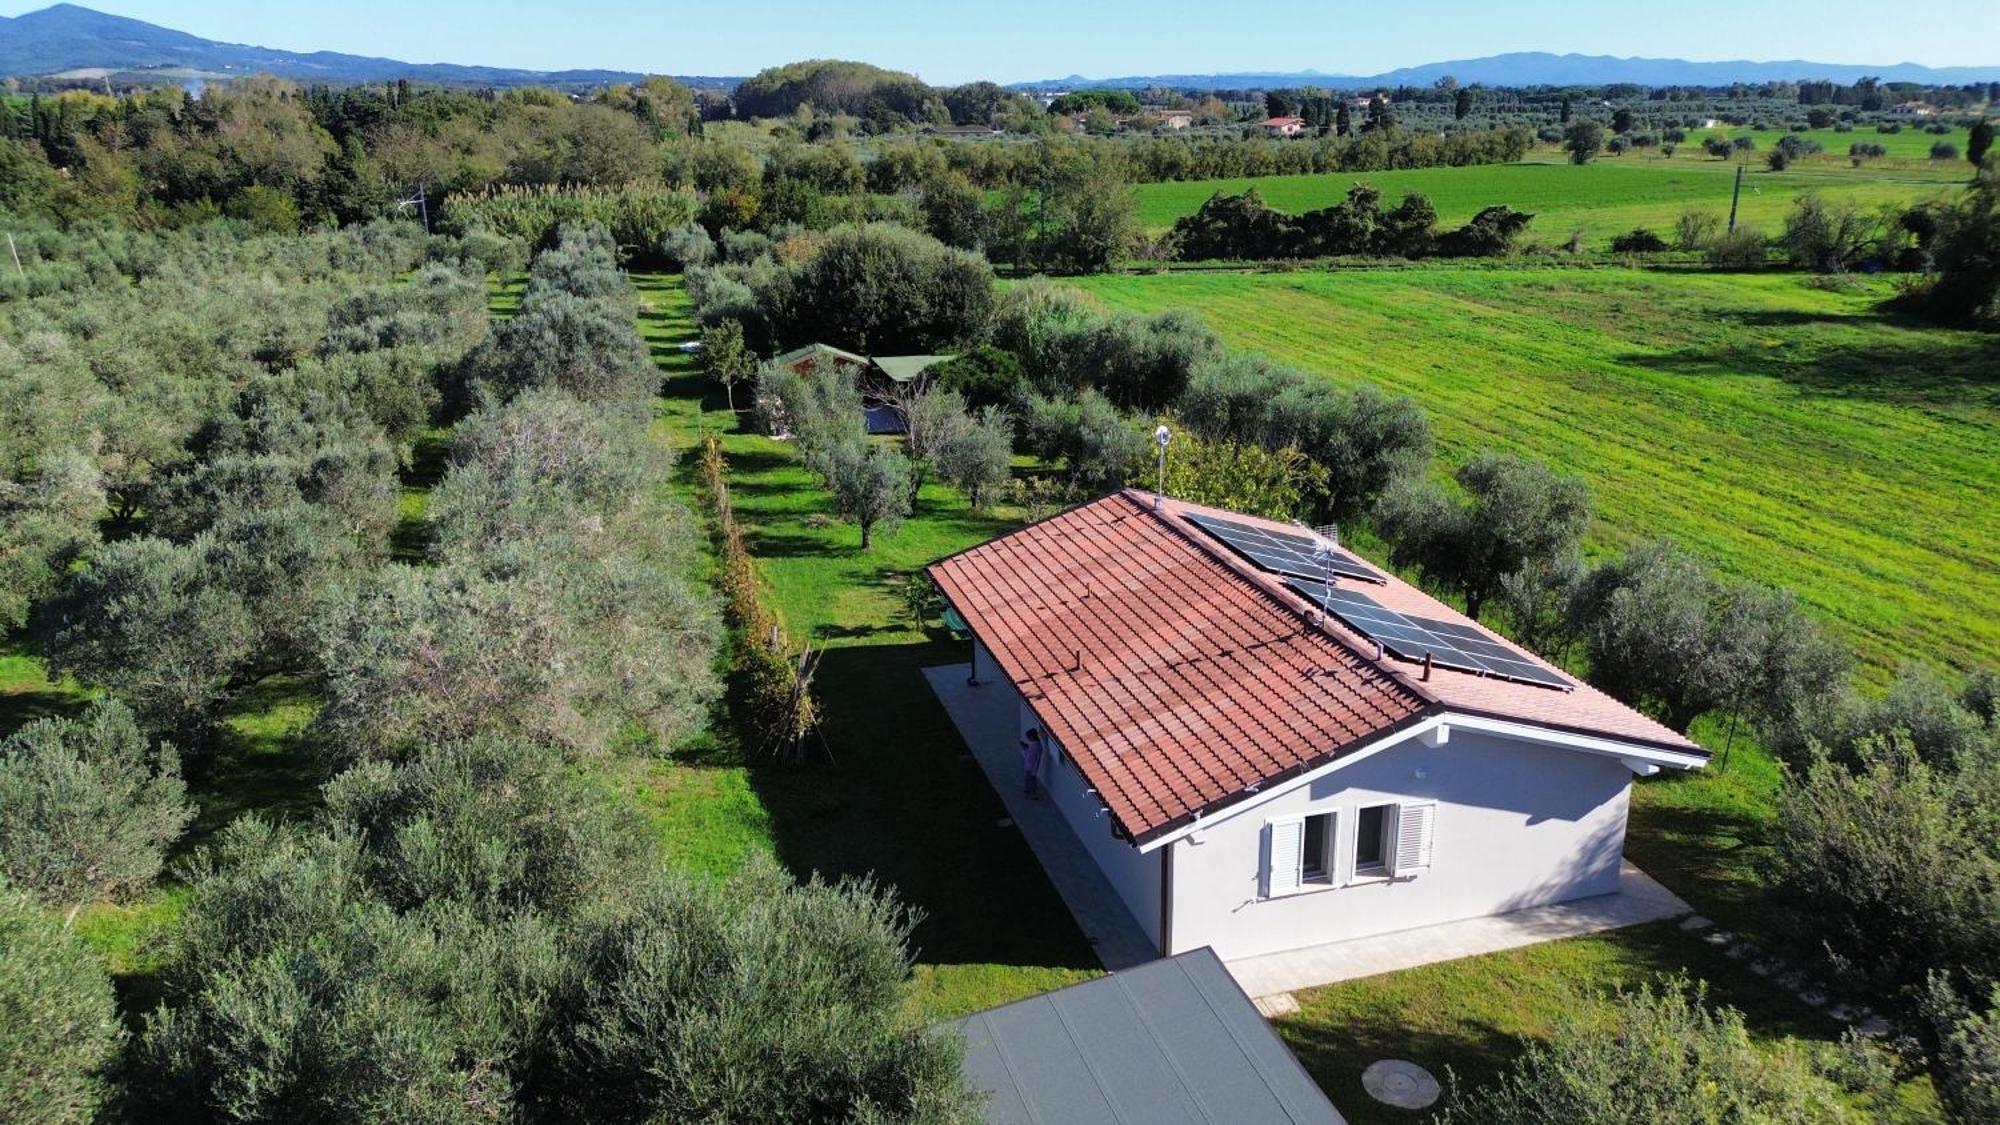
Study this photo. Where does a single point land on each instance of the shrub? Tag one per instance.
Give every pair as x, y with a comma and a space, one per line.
986, 375
88, 807
1738, 249
1693, 229
1944, 150
59, 1031
1490, 233
1639, 240
1666, 1056
1828, 237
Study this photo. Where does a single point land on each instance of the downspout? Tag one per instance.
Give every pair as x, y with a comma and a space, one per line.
1167, 901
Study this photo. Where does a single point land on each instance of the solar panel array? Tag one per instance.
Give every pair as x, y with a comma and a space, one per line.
1300, 556
1449, 644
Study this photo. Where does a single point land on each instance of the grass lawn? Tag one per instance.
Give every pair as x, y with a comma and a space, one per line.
1606, 197
900, 799
1799, 436
1471, 1016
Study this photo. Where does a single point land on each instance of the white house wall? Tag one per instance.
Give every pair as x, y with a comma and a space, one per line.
1135, 876
1516, 825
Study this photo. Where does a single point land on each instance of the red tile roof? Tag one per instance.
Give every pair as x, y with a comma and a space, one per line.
1180, 678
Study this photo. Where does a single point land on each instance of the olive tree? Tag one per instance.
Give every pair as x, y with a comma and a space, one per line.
1889, 870
1965, 1065
1512, 515
1663, 632
59, 1030
88, 807
1665, 1056
154, 623
871, 485
1583, 140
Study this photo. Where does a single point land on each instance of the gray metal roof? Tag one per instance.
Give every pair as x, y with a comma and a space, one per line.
1171, 1040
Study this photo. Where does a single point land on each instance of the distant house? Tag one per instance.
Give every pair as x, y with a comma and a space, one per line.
1284, 126
883, 380
1175, 118
961, 130
1172, 1040
1266, 743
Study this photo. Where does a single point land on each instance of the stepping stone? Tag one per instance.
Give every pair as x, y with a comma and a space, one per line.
1400, 1083
1794, 981
1844, 1013
1695, 922
1874, 1027
1812, 998
1766, 967
1739, 951
1718, 937
1279, 1004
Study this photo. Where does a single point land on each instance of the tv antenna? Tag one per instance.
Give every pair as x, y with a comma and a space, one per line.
1161, 437
421, 201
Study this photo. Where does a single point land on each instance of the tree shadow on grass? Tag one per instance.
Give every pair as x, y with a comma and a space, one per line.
902, 801
1894, 358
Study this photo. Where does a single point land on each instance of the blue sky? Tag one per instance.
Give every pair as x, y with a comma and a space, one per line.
1018, 40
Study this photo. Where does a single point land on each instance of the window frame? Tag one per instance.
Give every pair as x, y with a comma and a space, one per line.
1384, 865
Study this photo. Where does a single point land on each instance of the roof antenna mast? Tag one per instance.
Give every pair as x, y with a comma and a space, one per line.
1161, 437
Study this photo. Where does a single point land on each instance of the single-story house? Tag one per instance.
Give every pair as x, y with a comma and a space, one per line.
1267, 743
1284, 126
1173, 1040
1175, 119
883, 379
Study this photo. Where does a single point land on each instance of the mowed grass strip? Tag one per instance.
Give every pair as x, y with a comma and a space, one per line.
1608, 196
896, 798
1796, 435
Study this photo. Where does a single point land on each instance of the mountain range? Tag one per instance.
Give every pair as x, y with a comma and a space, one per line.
1540, 68
71, 41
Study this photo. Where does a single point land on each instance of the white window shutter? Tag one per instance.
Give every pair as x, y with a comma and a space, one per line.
1284, 855
1413, 838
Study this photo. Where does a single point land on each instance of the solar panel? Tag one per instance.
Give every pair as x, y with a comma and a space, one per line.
1449, 644
1281, 552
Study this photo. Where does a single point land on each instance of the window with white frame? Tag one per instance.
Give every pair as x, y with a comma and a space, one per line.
1388, 840
1371, 839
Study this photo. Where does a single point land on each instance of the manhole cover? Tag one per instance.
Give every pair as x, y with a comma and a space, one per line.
1399, 1083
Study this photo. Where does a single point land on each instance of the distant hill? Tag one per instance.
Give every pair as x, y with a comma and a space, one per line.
1539, 68
67, 39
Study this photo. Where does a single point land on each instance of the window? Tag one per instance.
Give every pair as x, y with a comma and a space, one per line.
1371, 836
1316, 860
1298, 854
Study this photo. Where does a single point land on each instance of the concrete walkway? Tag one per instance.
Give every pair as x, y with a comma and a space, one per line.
988, 718
1638, 899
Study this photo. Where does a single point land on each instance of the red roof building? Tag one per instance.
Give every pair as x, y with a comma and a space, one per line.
1195, 695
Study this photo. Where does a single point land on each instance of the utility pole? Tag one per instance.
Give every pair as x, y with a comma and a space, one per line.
1735, 197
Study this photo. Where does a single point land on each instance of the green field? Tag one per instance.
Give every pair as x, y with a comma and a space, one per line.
1605, 197
1796, 434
